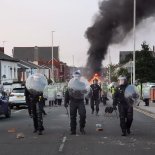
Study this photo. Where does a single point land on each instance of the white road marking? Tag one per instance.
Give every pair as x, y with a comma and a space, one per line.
19, 111
145, 113
62, 144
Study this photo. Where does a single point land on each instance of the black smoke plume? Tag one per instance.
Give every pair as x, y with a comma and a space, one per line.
112, 24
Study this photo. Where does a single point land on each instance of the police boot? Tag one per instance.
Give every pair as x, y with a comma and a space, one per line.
128, 131
35, 130
40, 133
97, 113
123, 132
73, 133
82, 131
42, 128
92, 112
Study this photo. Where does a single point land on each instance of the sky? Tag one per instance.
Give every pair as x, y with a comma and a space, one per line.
30, 22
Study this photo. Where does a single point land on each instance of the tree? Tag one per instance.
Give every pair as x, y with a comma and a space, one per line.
145, 64
123, 71
112, 73
115, 72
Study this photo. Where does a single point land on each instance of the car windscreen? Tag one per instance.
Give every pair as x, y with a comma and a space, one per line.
18, 90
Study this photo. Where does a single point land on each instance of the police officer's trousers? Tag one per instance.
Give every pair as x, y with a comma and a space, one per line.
95, 102
126, 116
80, 107
29, 104
37, 116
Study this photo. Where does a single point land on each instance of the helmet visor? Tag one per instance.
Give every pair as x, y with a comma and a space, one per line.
121, 81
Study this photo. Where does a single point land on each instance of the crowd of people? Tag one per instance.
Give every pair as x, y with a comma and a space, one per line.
76, 95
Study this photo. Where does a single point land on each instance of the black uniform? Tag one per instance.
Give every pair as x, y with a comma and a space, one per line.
95, 98
37, 109
125, 109
27, 96
86, 101
76, 105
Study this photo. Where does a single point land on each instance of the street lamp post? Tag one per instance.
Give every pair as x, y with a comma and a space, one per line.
52, 73
134, 40
109, 66
109, 73
131, 66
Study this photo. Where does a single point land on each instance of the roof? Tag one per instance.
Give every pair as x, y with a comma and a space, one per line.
25, 63
31, 65
22, 66
37, 66
5, 57
45, 67
36, 53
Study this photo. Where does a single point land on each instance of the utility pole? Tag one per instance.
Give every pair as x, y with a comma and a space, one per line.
109, 67
134, 41
131, 66
52, 72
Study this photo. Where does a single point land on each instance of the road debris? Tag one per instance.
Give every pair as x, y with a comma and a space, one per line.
12, 130
20, 135
99, 127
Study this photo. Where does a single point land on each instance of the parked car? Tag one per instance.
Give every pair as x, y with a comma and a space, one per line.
4, 106
146, 92
17, 97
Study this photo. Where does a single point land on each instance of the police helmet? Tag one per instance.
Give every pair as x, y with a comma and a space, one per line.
77, 74
122, 80
121, 77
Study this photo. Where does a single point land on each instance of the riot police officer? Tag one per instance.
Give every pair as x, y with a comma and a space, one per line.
96, 94
36, 84
125, 109
75, 99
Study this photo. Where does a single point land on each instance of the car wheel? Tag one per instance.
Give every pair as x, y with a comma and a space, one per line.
11, 106
8, 114
17, 106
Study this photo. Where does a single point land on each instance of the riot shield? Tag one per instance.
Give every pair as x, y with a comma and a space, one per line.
78, 88
36, 83
131, 95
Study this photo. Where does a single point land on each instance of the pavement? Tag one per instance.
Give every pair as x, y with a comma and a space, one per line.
148, 110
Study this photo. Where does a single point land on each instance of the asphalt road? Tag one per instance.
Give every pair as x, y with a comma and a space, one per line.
57, 139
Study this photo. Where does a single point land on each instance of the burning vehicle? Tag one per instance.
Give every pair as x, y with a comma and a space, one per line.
96, 76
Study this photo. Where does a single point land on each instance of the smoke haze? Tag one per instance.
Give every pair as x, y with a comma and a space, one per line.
112, 24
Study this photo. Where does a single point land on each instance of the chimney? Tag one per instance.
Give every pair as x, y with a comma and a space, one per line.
2, 49
36, 55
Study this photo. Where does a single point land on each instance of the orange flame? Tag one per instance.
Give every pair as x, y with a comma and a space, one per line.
96, 76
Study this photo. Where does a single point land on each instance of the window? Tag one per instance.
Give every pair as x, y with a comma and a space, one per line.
61, 68
4, 69
15, 73
18, 90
